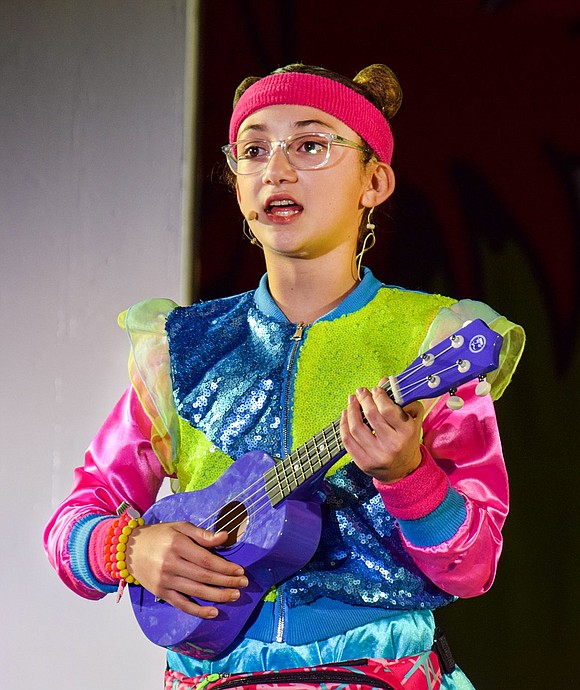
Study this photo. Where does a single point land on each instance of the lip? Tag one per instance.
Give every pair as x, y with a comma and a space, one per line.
282, 214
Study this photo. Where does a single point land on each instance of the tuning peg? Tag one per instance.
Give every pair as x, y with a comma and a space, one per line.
456, 340
463, 365
483, 387
454, 402
433, 381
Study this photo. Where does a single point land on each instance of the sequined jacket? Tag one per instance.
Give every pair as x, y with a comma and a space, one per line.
221, 378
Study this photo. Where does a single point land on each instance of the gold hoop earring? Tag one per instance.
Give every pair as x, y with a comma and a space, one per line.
368, 242
248, 234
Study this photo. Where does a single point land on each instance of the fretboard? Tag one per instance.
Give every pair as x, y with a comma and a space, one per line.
323, 449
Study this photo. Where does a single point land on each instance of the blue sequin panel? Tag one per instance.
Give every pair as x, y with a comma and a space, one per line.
227, 363
360, 558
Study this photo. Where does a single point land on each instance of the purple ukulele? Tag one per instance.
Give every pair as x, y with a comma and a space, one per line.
271, 508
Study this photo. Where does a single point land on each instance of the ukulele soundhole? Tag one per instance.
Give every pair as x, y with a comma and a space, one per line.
233, 519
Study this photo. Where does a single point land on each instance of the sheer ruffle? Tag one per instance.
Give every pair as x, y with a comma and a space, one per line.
450, 319
150, 373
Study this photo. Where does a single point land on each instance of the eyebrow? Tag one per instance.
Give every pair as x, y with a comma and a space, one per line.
299, 124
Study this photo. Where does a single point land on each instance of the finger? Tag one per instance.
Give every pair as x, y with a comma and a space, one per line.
394, 415
204, 539
357, 406
379, 410
352, 447
196, 585
204, 569
415, 410
193, 609
184, 603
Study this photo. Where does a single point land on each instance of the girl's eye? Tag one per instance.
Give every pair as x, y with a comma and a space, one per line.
253, 149
312, 146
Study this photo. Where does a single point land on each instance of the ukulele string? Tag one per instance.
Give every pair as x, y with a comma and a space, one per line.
413, 370
262, 503
410, 388
263, 500
242, 497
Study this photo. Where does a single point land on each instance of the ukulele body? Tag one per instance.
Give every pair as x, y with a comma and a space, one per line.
272, 544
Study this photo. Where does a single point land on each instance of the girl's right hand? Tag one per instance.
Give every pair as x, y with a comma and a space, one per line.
173, 561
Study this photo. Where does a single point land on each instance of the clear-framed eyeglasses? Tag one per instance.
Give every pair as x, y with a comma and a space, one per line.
304, 151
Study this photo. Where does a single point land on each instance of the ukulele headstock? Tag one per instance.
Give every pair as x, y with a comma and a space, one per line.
469, 353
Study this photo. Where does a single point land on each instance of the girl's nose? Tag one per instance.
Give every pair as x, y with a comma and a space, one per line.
278, 168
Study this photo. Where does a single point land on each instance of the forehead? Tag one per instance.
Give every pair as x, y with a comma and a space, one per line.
280, 121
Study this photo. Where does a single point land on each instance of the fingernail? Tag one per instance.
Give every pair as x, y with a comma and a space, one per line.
213, 613
244, 582
235, 595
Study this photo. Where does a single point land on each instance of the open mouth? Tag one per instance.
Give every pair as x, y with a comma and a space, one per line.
283, 208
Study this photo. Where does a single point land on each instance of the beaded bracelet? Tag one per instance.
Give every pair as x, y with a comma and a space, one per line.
116, 545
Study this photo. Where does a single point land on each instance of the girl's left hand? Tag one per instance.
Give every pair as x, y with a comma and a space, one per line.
389, 449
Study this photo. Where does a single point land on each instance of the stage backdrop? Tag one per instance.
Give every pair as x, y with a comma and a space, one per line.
91, 152
487, 153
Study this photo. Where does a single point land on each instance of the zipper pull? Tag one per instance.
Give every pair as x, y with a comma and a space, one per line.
299, 332
211, 678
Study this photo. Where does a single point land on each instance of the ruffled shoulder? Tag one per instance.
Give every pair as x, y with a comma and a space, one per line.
150, 373
450, 319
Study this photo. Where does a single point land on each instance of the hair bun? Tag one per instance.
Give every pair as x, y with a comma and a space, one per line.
245, 84
383, 86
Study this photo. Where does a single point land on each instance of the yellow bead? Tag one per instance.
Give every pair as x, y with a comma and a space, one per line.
123, 539
130, 579
140, 522
122, 547
121, 565
132, 523
127, 530
124, 573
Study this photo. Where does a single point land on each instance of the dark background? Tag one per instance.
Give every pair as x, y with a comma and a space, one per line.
487, 159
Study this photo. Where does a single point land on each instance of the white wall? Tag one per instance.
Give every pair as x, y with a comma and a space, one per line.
91, 148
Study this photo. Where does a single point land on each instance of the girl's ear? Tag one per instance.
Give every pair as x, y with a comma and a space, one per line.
381, 184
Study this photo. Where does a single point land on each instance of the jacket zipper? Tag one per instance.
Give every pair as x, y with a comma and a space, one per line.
297, 338
281, 616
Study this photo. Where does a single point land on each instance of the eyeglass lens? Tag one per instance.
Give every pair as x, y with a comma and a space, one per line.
303, 151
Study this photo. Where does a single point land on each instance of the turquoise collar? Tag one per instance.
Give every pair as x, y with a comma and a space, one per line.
364, 292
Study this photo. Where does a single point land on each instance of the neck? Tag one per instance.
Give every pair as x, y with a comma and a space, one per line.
306, 290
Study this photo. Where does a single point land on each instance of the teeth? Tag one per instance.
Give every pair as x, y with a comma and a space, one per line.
282, 202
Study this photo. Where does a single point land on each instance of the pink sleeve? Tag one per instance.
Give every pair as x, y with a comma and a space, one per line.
462, 474
120, 465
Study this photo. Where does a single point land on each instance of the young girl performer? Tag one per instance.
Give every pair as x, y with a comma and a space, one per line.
412, 515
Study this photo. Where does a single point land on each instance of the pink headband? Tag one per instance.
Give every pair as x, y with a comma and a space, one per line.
334, 98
